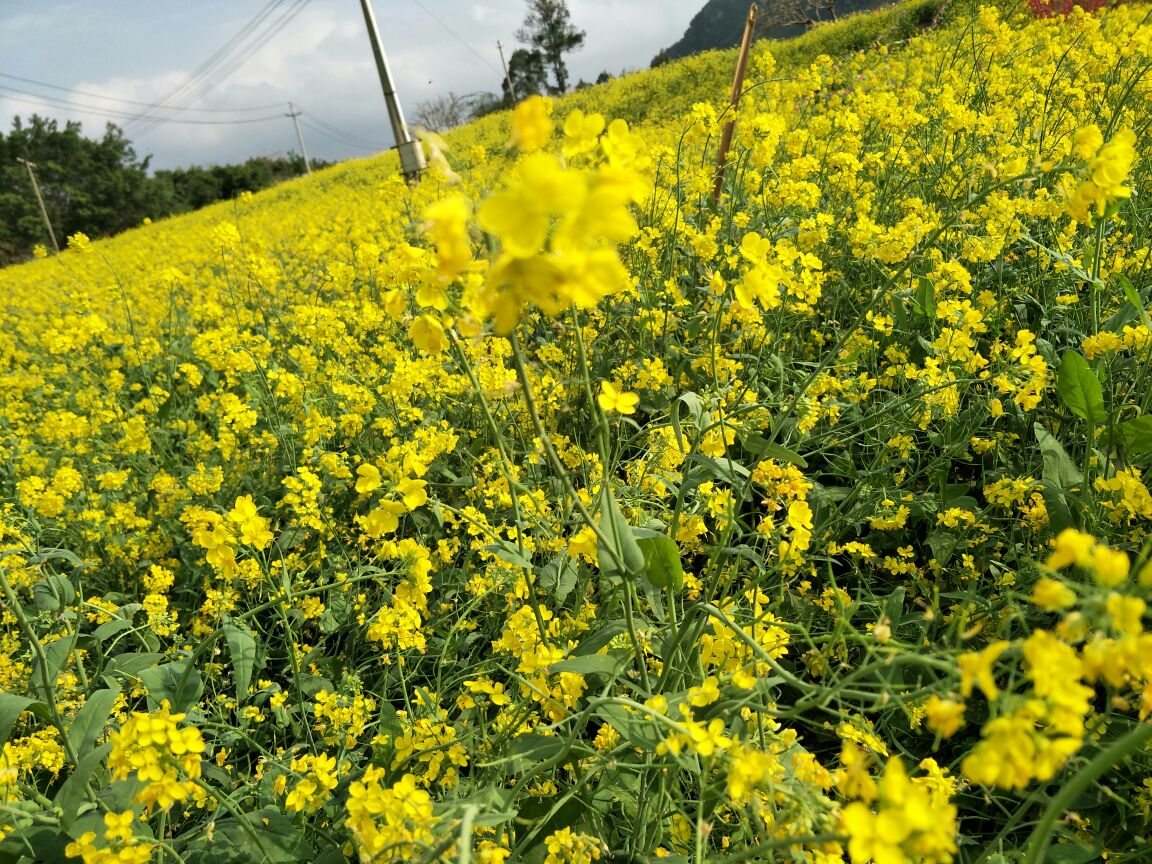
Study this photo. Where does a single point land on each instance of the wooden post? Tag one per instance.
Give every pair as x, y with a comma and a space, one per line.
734, 101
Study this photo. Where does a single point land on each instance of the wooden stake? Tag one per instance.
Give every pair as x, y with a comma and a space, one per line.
734, 101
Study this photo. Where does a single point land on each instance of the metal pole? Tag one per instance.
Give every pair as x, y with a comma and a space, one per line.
411, 156
293, 113
507, 77
40, 200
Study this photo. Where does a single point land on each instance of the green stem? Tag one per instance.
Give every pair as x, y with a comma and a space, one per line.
17, 609
1105, 759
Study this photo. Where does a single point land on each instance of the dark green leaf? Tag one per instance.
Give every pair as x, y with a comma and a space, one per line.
662, 562
1079, 388
177, 682
588, 664
11, 707
110, 628
90, 720
242, 647
509, 554
1136, 435
73, 792
56, 653
622, 558
1059, 469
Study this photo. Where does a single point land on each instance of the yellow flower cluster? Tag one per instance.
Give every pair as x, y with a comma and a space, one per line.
162, 756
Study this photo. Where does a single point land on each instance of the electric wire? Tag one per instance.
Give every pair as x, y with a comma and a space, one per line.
231, 63
100, 111
93, 95
351, 136
217, 56
341, 138
459, 38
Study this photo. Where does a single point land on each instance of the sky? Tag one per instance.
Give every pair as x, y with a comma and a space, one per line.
312, 53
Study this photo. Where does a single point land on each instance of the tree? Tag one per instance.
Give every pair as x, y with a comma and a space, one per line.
528, 73
94, 186
548, 28
445, 112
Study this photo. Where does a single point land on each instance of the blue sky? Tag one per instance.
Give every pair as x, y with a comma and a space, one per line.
140, 50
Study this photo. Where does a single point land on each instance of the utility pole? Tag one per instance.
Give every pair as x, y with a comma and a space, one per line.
293, 113
507, 77
411, 156
40, 200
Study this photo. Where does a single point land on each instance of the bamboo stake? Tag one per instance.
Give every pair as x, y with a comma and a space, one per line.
734, 101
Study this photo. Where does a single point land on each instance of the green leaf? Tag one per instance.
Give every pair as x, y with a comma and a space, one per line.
53, 593
1071, 853
764, 448
35, 843
1134, 298
89, 721
56, 653
588, 664
11, 707
1136, 435
1059, 469
73, 792
558, 577
662, 562
1079, 388
110, 628
925, 297
593, 643
242, 647
177, 682
265, 837
724, 469
628, 560
509, 554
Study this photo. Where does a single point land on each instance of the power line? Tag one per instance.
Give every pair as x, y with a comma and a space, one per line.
218, 56
99, 111
458, 37
347, 141
351, 136
93, 95
230, 64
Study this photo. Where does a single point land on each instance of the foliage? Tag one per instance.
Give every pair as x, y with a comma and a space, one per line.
548, 28
448, 112
551, 510
720, 23
100, 188
528, 74
96, 186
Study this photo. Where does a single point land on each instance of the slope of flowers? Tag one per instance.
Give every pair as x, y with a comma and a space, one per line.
552, 511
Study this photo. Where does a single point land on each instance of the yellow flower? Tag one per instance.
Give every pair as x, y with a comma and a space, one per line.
945, 716
532, 123
581, 132
446, 223
368, 478
1052, 594
612, 400
976, 668
427, 335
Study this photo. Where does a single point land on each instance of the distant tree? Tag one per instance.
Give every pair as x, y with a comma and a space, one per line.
804, 13
548, 28
444, 112
486, 103
529, 75
604, 77
98, 187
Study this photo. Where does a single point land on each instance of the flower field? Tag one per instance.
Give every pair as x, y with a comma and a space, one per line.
552, 511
